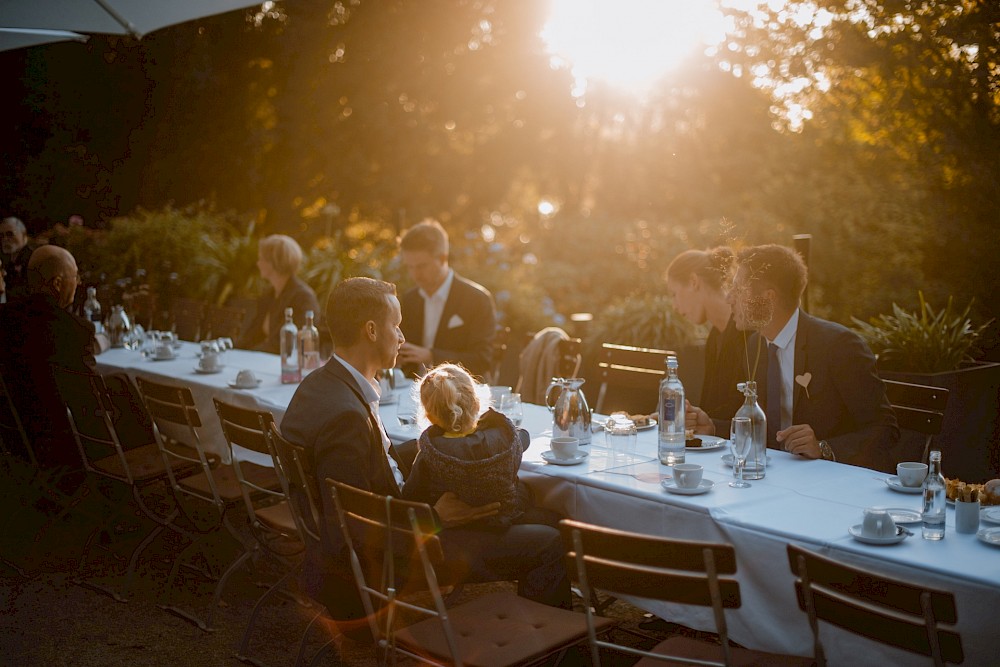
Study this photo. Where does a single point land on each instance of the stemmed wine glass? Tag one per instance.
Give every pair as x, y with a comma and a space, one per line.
742, 441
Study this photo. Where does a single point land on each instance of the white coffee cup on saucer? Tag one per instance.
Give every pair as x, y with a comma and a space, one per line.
209, 362
911, 473
565, 447
246, 379
688, 475
878, 523
164, 351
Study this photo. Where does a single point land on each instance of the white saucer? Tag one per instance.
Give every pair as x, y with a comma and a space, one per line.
236, 386
990, 536
990, 515
703, 487
904, 516
202, 371
856, 533
708, 443
727, 459
170, 358
894, 484
549, 457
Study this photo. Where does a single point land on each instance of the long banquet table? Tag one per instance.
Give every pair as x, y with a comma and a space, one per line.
811, 503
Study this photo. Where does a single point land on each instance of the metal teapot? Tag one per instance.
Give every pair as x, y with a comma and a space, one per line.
570, 412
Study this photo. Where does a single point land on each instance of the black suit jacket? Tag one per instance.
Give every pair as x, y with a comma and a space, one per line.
844, 400
37, 336
725, 367
469, 343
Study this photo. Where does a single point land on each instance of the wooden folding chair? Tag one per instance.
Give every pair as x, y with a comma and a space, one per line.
657, 568
211, 487
547, 354
223, 322
633, 375
495, 629
272, 526
186, 318
897, 613
500, 341
918, 408
137, 466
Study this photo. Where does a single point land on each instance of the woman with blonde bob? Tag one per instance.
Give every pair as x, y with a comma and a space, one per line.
474, 456
278, 260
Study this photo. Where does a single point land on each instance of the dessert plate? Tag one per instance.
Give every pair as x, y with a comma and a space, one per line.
202, 371
904, 516
894, 484
549, 457
990, 536
856, 533
708, 443
704, 487
990, 515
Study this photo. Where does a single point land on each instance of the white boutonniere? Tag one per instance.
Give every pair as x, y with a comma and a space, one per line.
804, 380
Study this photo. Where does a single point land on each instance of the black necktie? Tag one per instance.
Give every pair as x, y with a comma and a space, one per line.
773, 410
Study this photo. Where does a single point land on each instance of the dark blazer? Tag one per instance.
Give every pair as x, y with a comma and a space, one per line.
469, 343
296, 295
37, 336
329, 416
845, 401
725, 367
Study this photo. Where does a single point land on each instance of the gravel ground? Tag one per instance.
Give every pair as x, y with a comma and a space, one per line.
47, 619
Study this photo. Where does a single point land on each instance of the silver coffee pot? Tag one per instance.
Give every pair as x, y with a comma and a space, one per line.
570, 412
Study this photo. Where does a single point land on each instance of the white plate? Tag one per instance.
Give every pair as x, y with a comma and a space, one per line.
549, 457
644, 427
904, 516
990, 515
170, 358
236, 386
708, 443
860, 537
894, 484
727, 459
202, 371
704, 487
990, 536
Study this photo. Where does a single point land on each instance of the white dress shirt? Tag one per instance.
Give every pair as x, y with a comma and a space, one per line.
434, 308
785, 341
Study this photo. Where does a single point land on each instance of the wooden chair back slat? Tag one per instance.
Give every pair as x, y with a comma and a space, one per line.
635, 369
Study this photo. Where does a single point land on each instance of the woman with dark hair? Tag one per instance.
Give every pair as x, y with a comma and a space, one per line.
278, 259
696, 281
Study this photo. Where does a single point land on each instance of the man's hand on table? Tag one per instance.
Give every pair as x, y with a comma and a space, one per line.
414, 354
698, 419
800, 439
453, 512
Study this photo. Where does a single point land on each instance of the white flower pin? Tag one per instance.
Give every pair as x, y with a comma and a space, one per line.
804, 380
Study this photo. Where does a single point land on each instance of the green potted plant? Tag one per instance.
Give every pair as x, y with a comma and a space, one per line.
938, 348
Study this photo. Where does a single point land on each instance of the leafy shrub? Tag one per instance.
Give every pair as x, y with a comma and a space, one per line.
925, 341
644, 320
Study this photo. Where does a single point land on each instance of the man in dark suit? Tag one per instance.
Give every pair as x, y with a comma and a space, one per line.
39, 334
334, 414
16, 253
447, 318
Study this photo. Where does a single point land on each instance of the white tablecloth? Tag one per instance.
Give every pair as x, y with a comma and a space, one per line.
811, 503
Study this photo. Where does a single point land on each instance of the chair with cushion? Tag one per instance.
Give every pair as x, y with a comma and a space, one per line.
548, 353
630, 378
657, 568
209, 495
494, 629
897, 613
918, 408
138, 466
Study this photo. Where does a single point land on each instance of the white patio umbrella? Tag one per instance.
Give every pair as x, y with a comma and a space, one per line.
19, 38
117, 17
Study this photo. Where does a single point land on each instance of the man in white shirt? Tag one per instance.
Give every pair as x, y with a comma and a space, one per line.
446, 318
816, 380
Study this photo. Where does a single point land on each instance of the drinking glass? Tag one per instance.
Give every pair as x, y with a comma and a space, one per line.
510, 405
406, 409
742, 441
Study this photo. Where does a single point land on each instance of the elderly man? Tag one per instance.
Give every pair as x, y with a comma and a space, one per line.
16, 252
334, 414
448, 317
39, 334
817, 380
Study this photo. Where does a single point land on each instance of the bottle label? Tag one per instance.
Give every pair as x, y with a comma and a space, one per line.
669, 410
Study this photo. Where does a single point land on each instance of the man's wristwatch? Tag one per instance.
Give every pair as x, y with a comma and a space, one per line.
826, 451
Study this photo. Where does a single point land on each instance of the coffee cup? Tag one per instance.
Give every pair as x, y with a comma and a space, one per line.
911, 473
878, 523
209, 362
246, 379
688, 475
564, 447
164, 351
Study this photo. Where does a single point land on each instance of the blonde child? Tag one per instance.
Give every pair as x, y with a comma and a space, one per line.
474, 456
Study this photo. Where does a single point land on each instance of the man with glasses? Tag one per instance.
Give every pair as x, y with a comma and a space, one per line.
16, 253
